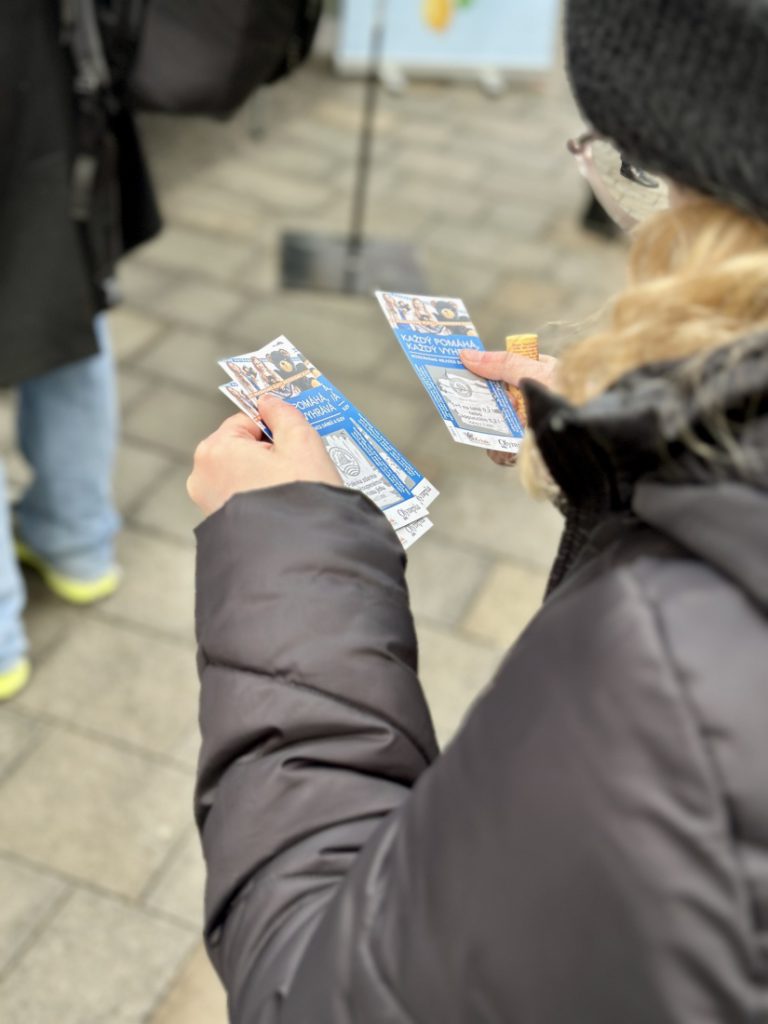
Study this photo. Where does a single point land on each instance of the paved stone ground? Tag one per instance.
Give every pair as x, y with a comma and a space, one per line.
100, 876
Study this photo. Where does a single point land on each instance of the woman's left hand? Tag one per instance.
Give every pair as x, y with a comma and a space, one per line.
511, 369
236, 458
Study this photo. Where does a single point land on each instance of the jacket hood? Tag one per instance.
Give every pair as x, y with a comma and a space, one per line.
683, 445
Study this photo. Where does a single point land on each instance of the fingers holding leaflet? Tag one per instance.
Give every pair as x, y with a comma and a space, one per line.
509, 367
241, 425
235, 459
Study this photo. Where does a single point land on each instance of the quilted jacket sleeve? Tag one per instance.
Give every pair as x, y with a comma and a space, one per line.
314, 724
566, 859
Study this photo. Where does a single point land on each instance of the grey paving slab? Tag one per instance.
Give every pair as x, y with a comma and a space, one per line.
508, 600
189, 357
157, 591
307, 134
139, 283
414, 163
47, 619
335, 332
336, 111
436, 197
187, 751
495, 515
7, 418
99, 961
93, 812
198, 303
277, 190
519, 306
210, 208
27, 899
498, 251
443, 579
167, 508
418, 131
196, 997
119, 683
404, 222
288, 158
448, 274
176, 421
18, 474
446, 463
132, 385
178, 887
131, 331
204, 253
17, 737
453, 671
138, 467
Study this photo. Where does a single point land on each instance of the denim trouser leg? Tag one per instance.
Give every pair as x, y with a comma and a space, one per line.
68, 434
13, 640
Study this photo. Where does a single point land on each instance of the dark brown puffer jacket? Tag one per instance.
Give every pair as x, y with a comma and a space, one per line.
593, 846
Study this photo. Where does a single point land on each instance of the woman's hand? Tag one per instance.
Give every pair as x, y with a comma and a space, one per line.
235, 458
509, 368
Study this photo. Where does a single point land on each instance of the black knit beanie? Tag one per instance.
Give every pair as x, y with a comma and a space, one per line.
681, 87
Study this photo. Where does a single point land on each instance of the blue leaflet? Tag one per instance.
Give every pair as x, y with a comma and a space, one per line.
432, 331
365, 458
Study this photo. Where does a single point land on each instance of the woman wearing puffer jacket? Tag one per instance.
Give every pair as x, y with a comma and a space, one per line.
593, 846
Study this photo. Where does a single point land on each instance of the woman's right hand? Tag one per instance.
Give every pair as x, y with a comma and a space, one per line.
509, 368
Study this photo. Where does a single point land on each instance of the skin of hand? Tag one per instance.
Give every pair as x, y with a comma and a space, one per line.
236, 458
510, 369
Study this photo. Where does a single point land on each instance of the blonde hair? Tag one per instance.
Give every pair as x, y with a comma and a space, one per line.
698, 279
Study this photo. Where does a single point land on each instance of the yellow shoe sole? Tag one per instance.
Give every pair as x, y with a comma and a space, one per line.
69, 588
14, 679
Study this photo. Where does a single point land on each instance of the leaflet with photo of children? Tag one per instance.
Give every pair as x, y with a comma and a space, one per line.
366, 460
432, 331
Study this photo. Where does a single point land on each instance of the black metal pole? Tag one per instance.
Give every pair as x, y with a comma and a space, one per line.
356, 240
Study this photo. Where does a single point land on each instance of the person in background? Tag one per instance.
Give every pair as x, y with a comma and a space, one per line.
593, 845
73, 195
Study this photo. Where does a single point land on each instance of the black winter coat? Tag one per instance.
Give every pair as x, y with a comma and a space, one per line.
52, 273
593, 846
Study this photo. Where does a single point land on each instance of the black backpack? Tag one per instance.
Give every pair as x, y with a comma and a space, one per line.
200, 56
207, 56
178, 56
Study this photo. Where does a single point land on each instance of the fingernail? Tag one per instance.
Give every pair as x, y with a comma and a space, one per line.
471, 355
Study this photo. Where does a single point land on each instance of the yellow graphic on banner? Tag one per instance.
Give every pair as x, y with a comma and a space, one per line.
438, 14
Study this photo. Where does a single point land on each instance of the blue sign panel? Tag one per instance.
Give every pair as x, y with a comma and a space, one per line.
459, 35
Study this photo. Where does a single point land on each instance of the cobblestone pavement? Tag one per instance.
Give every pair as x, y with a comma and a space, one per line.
100, 875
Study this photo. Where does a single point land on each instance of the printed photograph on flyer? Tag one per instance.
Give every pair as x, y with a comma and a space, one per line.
278, 367
428, 314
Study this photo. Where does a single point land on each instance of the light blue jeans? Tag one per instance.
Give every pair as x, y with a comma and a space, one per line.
67, 424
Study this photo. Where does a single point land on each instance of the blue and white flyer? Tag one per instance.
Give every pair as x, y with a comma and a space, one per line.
432, 331
366, 460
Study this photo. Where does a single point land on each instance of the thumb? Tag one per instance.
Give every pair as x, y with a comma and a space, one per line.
491, 365
283, 420
286, 423
509, 367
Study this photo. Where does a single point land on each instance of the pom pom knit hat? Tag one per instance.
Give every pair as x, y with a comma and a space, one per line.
680, 86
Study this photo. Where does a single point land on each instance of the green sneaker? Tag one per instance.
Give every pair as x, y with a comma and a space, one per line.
14, 679
70, 588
